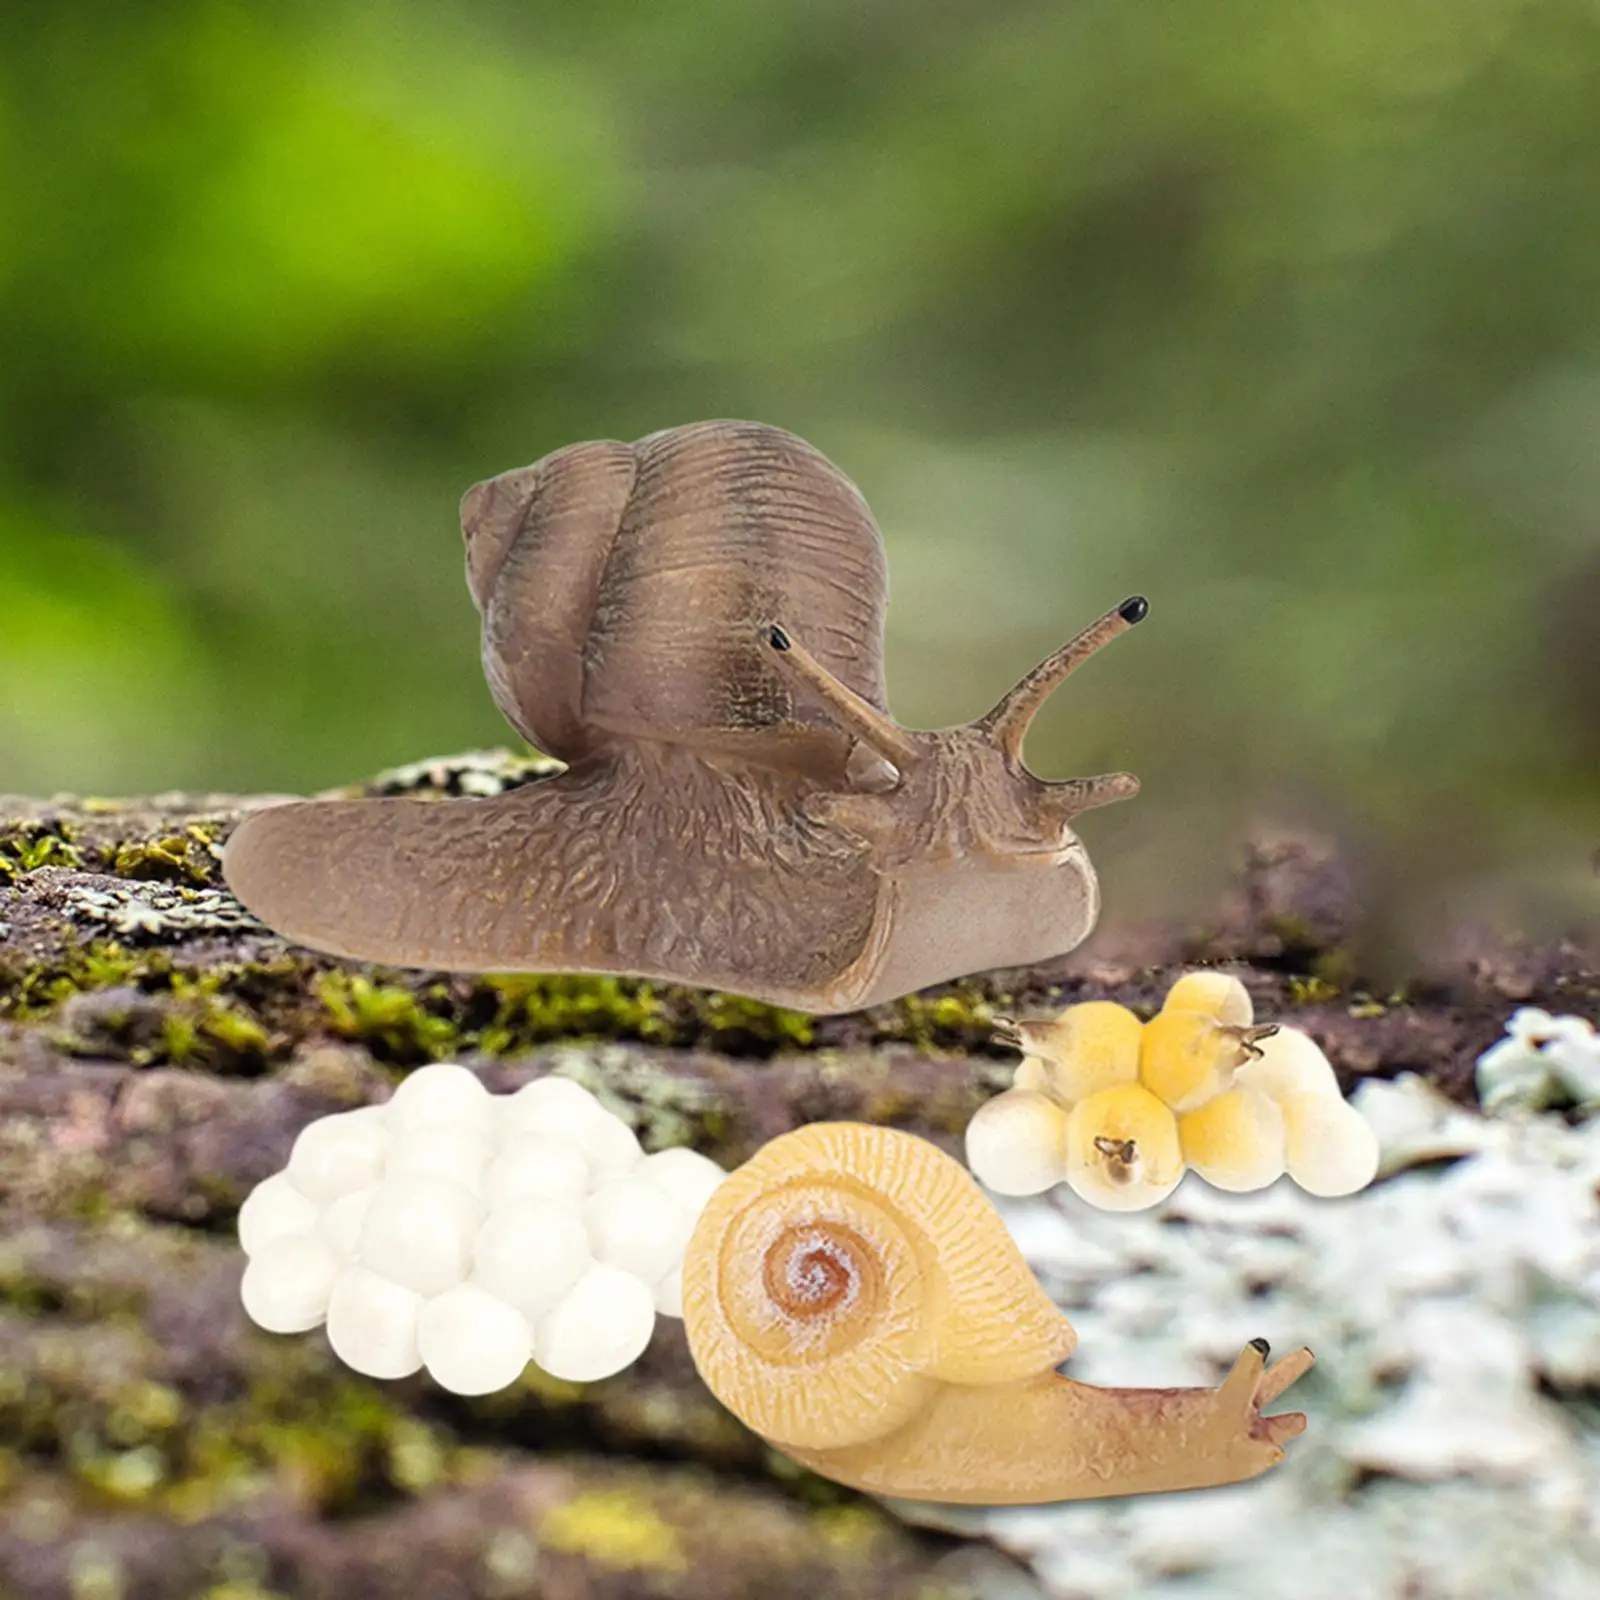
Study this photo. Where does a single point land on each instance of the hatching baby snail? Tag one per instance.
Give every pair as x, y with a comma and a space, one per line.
1120, 1109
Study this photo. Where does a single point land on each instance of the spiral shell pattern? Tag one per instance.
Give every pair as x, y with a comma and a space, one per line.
838, 1277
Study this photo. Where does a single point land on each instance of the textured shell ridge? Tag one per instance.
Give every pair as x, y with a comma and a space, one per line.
538, 541
729, 525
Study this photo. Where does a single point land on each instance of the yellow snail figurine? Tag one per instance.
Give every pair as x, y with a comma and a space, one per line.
851, 1296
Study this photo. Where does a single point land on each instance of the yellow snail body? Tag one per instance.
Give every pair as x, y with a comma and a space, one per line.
851, 1296
694, 624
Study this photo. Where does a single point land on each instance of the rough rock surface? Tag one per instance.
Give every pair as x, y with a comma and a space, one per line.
1454, 1308
159, 1051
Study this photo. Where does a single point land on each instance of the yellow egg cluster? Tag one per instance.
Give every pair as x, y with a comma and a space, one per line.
1119, 1109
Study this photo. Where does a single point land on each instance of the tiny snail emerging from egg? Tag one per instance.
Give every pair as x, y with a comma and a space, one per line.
1188, 1057
1329, 1148
1078, 1113
1118, 1109
1091, 1046
851, 1296
694, 624
1192, 1050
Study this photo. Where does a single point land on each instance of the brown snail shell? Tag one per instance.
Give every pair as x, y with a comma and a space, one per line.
617, 583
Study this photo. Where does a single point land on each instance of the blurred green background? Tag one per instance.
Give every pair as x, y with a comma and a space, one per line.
1286, 316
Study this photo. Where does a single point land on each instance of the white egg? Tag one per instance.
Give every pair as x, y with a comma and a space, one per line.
1016, 1142
669, 1294
457, 1151
543, 1165
1290, 1061
472, 1342
610, 1146
688, 1178
599, 1327
1329, 1147
530, 1253
440, 1096
1034, 1074
274, 1209
606, 1141
372, 1324
341, 1222
633, 1225
544, 1093
335, 1155
419, 1232
287, 1283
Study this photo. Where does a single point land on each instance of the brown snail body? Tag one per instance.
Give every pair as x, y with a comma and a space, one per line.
851, 1296
694, 624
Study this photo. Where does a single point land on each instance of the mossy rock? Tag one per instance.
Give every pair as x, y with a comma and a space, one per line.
159, 1050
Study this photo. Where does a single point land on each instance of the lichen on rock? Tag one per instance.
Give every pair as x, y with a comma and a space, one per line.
1454, 1308
158, 910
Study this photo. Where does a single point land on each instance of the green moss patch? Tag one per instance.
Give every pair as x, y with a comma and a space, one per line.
1312, 990
505, 1014
533, 1008
393, 1022
962, 1019
179, 1014
615, 1530
190, 857
26, 847
29, 991
241, 1014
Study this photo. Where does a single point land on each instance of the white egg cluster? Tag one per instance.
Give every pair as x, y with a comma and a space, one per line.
470, 1233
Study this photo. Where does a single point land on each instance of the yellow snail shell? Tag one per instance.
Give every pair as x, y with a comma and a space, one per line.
841, 1274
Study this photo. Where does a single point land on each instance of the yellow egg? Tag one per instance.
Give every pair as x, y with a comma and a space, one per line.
1235, 1141
1290, 1061
1122, 1149
1216, 994
1329, 1146
1015, 1143
1089, 1047
1186, 1057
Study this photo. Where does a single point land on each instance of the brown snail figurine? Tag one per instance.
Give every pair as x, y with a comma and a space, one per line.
694, 625
851, 1296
